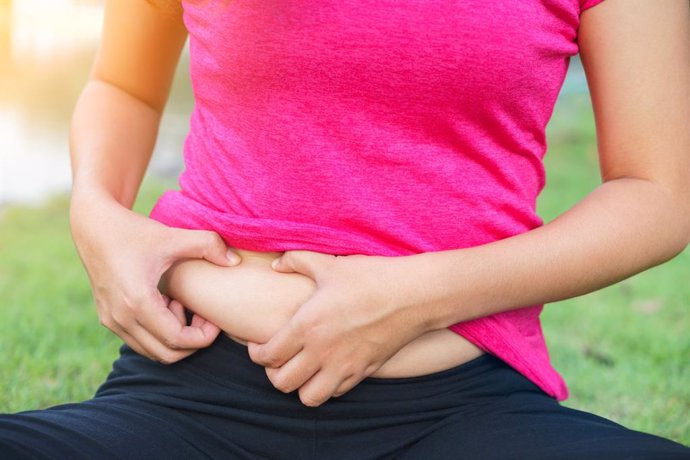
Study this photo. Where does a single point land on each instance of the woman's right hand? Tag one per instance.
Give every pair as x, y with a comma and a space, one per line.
125, 255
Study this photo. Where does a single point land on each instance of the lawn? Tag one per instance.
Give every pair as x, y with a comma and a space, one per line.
623, 350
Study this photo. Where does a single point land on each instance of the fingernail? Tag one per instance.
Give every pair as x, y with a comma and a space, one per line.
274, 264
233, 258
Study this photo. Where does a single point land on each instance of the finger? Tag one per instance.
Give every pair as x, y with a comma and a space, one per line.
202, 244
156, 350
205, 325
156, 318
178, 310
308, 263
131, 342
294, 373
109, 323
347, 385
145, 345
285, 344
141, 341
319, 388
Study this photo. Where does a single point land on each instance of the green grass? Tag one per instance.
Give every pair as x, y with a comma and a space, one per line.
624, 350
53, 348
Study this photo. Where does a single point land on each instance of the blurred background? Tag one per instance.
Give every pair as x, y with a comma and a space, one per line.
46, 50
624, 350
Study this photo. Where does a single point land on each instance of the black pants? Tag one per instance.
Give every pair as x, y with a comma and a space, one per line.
219, 404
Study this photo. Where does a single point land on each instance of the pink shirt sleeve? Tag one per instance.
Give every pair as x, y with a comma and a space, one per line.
585, 4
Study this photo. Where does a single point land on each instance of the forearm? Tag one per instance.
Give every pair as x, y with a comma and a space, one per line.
623, 227
111, 141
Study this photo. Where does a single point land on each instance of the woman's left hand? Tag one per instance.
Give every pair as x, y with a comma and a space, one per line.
358, 317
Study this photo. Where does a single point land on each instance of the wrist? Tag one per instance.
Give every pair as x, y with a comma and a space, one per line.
414, 286
87, 193
88, 207
425, 292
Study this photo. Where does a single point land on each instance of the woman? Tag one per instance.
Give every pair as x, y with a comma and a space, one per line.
387, 157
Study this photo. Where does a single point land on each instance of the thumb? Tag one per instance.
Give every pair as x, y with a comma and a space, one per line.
202, 244
305, 262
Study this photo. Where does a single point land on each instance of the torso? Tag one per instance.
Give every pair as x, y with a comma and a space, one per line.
432, 352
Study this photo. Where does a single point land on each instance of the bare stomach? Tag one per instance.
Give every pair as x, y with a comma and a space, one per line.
251, 302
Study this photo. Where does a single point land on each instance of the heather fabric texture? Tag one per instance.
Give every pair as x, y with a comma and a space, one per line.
378, 128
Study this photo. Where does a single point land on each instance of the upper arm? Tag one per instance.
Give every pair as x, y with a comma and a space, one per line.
139, 49
636, 55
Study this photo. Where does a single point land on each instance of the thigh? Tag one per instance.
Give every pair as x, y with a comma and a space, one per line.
104, 428
531, 425
215, 404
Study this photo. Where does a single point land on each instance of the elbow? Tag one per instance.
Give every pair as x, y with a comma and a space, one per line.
679, 231
685, 224
670, 209
682, 245
672, 240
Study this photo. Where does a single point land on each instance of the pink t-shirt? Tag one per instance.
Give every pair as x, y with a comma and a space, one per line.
379, 128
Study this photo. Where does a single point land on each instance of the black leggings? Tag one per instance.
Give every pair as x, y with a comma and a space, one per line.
219, 404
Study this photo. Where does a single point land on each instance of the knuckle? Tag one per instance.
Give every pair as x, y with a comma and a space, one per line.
305, 323
134, 346
134, 300
260, 357
339, 392
281, 384
168, 357
271, 361
106, 322
320, 333
213, 240
117, 317
370, 369
310, 401
171, 344
348, 369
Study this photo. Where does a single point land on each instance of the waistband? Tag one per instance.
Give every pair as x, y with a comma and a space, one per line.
468, 368
484, 375
224, 377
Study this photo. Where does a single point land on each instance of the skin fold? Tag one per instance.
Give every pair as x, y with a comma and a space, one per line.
251, 302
